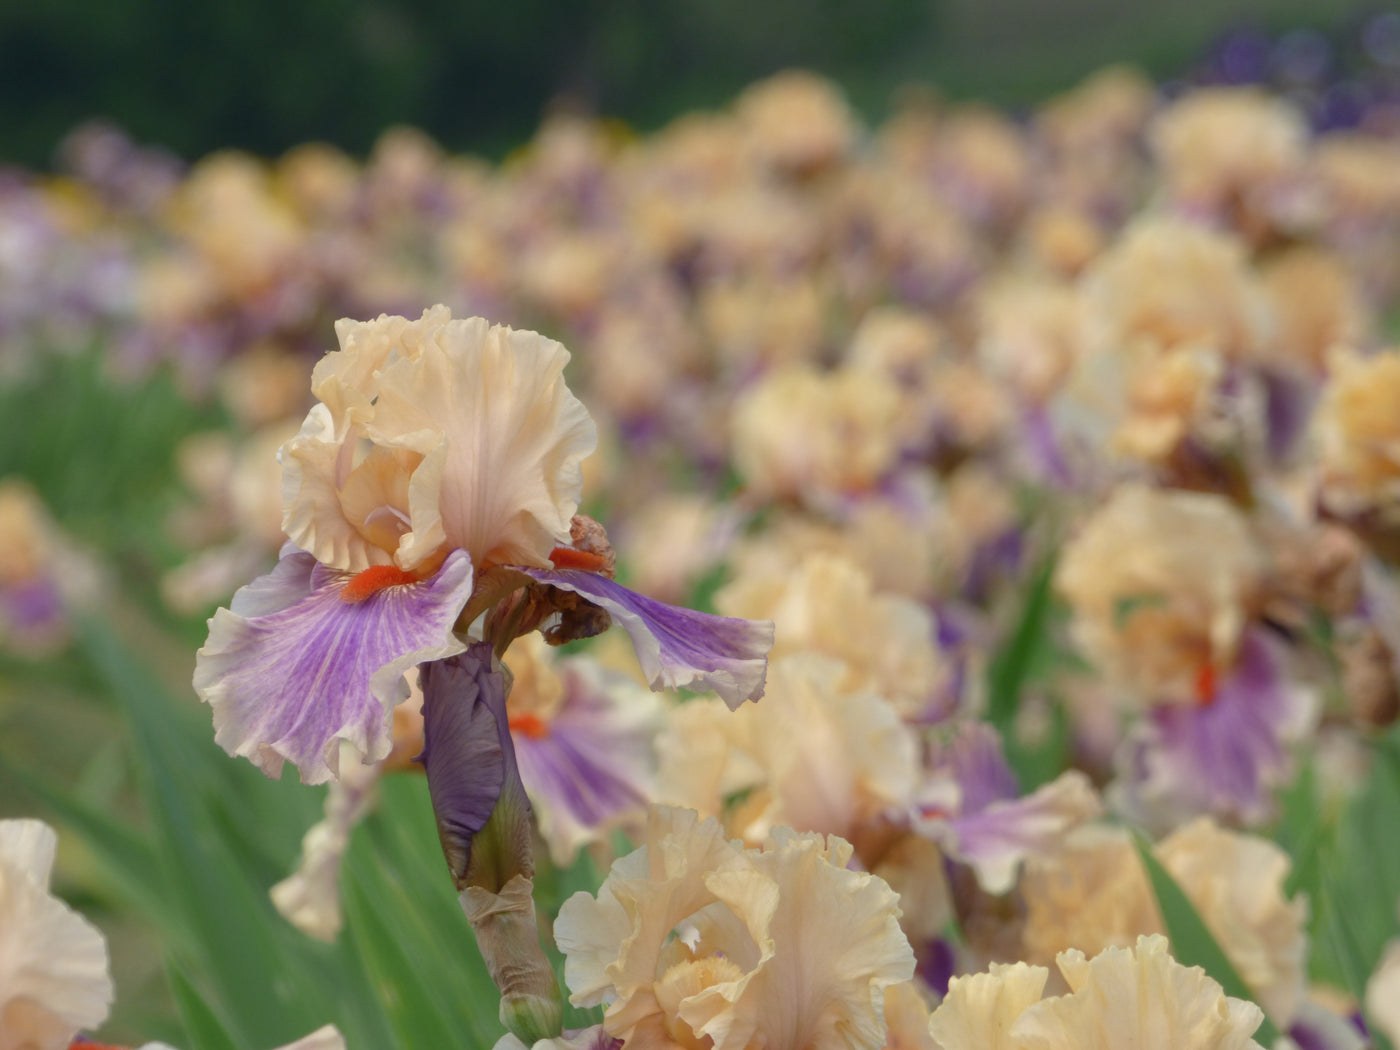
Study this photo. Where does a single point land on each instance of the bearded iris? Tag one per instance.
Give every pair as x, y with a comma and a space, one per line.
431, 501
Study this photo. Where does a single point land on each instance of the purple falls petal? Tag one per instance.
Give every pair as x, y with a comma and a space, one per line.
595, 766
1223, 758
995, 840
290, 670
973, 757
469, 758
678, 647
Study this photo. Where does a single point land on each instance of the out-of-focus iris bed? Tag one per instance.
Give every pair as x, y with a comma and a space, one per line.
1063, 449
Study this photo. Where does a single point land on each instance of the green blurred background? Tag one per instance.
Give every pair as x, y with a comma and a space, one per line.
265, 75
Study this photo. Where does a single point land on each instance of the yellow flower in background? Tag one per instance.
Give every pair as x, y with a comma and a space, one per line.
813, 755
1358, 435
1160, 585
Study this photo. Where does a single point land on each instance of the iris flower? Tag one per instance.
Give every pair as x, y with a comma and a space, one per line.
437, 478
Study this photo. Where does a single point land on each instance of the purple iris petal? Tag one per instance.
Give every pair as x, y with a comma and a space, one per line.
974, 758
1288, 404
1316, 1028
290, 669
1043, 449
970, 807
936, 963
677, 647
594, 765
1223, 757
468, 754
995, 840
32, 607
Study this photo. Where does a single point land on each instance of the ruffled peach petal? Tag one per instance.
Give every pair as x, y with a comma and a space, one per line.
979, 1009
1140, 999
315, 464
515, 437
344, 381
53, 962
824, 987
309, 898
656, 887
1236, 882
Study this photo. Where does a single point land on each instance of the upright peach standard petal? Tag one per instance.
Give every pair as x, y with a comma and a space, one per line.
1138, 999
979, 1009
434, 435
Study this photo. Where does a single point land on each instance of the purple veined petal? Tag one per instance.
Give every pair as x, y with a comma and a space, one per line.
1224, 757
291, 670
973, 757
595, 764
675, 646
469, 759
995, 839
1043, 448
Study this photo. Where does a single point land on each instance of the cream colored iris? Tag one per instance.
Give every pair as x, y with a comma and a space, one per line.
53, 962
699, 944
1122, 999
435, 435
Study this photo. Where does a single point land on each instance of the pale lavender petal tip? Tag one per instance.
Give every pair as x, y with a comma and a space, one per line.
290, 669
995, 840
974, 758
678, 647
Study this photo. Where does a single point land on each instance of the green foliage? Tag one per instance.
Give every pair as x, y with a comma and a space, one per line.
1348, 863
405, 973
1026, 658
266, 77
1011, 668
